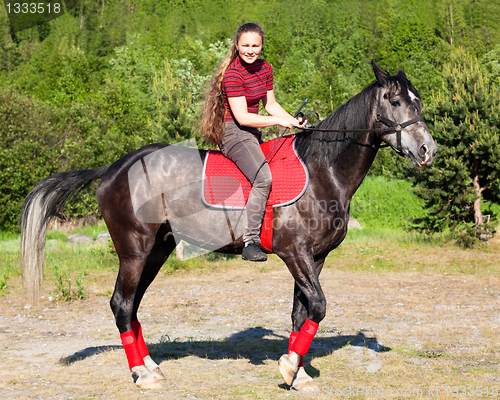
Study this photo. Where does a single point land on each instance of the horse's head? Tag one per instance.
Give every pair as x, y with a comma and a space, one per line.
399, 106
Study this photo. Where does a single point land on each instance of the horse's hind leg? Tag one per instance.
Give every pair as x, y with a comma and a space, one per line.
141, 257
156, 259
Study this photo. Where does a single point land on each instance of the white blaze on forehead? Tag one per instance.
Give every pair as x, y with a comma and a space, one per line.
412, 95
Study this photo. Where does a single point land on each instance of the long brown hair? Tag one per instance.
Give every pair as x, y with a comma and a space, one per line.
214, 111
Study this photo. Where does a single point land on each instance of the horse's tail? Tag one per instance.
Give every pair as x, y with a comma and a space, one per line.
44, 202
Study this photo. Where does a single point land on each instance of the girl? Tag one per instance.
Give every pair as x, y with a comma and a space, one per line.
231, 121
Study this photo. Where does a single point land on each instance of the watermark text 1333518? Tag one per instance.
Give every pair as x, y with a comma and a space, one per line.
27, 14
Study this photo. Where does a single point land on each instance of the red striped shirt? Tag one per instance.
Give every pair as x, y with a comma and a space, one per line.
250, 80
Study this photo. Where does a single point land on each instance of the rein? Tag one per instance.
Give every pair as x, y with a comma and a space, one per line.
392, 127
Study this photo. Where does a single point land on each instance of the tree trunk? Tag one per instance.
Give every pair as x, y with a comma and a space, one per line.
451, 23
478, 215
179, 251
102, 13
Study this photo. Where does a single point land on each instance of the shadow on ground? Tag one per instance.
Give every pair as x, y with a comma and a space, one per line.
255, 344
86, 353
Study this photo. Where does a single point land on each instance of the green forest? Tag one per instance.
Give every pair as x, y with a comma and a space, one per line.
110, 76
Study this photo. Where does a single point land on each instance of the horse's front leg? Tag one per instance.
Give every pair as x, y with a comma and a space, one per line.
309, 309
300, 379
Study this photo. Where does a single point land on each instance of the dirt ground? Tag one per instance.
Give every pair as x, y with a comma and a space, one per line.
220, 334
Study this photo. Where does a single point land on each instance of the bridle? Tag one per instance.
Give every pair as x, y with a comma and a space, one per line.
392, 127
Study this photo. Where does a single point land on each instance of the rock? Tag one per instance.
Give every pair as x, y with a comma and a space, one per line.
80, 238
353, 224
485, 236
103, 237
54, 248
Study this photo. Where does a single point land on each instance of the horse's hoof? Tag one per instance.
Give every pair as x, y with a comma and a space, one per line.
304, 382
150, 384
146, 379
286, 369
154, 368
158, 374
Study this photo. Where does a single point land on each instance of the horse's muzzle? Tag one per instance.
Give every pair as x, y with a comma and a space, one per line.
426, 154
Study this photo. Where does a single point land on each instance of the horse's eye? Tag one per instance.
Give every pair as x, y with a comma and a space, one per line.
395, 103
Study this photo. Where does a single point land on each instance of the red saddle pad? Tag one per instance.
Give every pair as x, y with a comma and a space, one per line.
225, 187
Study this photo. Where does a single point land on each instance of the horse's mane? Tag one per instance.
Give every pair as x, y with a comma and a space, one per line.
326, 147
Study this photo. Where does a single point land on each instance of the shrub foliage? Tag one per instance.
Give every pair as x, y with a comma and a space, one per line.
465, 118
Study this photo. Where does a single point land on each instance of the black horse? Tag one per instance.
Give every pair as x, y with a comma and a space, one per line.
143, 234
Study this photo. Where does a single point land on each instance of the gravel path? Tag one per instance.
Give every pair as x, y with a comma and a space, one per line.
72, 350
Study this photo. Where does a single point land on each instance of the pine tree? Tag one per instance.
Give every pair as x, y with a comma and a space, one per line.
465, 120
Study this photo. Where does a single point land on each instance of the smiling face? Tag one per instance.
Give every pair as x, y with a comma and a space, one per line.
249, 46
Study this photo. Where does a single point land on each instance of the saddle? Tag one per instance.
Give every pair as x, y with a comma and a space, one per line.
224, 187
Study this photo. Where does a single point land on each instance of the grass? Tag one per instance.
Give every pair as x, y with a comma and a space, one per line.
88, 229
375, 250
380, 202
4, 278
395, 250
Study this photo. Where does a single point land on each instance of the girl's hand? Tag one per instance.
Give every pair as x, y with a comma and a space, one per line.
291, 122
302, 123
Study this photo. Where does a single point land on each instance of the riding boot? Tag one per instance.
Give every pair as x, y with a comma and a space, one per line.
253, 252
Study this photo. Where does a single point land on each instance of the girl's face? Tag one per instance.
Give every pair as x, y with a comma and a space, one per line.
249, 46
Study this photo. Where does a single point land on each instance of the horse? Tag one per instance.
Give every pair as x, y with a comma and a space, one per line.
338, 153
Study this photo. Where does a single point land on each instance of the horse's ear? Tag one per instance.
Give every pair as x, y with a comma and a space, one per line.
380, 73
401, 74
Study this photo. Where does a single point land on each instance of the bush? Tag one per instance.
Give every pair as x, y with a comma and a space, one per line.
38, 140
64, 290
28, 150
466, 236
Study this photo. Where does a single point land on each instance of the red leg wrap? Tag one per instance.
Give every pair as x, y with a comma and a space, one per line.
303, 340
294, 336
141, 344
130, 345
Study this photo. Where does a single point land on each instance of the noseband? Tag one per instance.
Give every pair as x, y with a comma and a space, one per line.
392, 127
